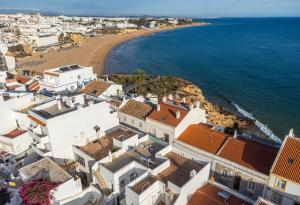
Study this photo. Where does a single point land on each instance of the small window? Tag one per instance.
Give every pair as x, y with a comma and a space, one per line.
276, 198
281, 184
251, 186
166, 136
79, 77
224, 173
125, 118
132, 121
140, 124
122, 182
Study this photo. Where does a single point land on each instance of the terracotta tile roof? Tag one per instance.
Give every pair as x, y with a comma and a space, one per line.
249, 154
51, 73
136, 109
22, 79
287, 164
167, 114
179, 170
36, 120
208, 195
14, 133
96, 88
204, 138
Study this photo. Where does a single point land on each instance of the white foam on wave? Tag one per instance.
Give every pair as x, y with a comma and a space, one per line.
258, 124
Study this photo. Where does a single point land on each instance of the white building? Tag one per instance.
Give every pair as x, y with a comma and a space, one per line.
134, 114
284, 179
68, 186
69, 77
71, 120
103, 89
15, 141
45, 40
171, 118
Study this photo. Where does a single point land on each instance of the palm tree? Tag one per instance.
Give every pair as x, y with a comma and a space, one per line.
140, 75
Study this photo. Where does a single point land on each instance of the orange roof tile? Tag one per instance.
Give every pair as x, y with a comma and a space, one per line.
204, 138
208, 195
136, 109
287, 164
14, 133
36, 120
167, 114
96, 88
249, 154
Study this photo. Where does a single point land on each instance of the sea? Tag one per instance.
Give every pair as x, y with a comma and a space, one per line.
250, 66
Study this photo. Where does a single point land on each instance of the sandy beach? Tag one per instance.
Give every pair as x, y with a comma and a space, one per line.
93, 52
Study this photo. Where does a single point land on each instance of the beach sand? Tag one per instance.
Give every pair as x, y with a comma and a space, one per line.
93, 52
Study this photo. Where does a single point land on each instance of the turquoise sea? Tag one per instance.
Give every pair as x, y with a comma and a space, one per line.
247, 65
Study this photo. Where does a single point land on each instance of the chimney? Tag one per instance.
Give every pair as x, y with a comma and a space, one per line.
291, 133
170, 97
106, 78
59, 104
177, 114
164, 99
191, 106
235, 134
158, 107
184, 100
198, 104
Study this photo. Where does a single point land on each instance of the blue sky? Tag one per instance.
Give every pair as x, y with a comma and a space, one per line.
193, 8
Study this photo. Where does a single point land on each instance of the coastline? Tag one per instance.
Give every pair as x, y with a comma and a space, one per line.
93, 52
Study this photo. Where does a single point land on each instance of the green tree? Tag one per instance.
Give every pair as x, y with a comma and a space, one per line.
140, 76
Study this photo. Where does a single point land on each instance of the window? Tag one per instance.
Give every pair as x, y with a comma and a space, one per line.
122, 182
224, 173
132, 176
140, 124
281, 184
132, 121
251, 186
276, 198
80, 160
79, 77
166, 136
124, 118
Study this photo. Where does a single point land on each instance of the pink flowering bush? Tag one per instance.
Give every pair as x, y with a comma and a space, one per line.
37, 192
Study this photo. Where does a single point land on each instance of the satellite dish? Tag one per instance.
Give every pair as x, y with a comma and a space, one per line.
3, 48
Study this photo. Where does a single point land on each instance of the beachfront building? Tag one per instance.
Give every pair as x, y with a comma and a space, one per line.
171, 118
134, 114
284, 180
44, 40
58, 124
240, 164
71, 78
67, 186
103, 89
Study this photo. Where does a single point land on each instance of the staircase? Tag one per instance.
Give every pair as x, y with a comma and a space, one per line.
106, 190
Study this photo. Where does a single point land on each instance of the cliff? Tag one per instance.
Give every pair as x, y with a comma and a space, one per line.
182, 88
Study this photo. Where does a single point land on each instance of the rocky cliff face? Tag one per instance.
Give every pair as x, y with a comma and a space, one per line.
72, 38
216, 114
21, 50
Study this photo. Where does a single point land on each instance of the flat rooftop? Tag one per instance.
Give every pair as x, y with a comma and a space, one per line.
144, 154
53, 110
179, 171
46, 167
122, 134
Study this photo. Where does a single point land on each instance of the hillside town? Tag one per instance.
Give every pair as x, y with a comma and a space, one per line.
69, 136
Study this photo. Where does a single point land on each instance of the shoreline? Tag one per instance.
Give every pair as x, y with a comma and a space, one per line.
93, 52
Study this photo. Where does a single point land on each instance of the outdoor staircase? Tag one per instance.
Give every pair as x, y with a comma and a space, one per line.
106, 190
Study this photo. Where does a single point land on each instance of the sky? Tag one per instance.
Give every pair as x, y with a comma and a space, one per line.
187, 8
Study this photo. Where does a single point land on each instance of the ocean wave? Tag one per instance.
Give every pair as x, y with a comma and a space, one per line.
262, 127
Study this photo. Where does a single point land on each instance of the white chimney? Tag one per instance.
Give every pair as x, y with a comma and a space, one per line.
291, 133
177, 114
158, 107
106, 78
170, 97
235, 134
184, 100
198, 104
191, 106
59, 104
164, 99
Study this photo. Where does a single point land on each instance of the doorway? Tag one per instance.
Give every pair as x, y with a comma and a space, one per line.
237, 183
